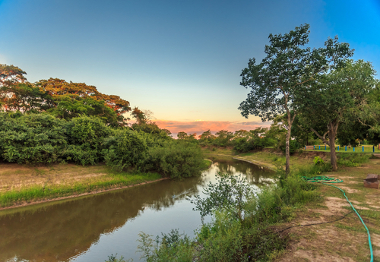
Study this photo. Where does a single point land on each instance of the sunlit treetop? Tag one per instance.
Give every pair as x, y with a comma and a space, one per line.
10, 74
58, 87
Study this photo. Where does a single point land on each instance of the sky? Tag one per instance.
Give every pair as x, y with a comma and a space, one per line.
180, 59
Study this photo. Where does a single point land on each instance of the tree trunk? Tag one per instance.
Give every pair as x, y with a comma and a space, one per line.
287, 151
333, 127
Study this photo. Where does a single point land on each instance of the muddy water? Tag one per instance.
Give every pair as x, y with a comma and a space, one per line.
94, 227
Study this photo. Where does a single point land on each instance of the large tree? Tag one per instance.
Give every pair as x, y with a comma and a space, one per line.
288, 67
334, 98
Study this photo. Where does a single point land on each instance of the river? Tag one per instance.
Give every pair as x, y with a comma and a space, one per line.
93, 227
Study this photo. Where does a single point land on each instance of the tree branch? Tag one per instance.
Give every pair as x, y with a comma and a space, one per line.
321, 137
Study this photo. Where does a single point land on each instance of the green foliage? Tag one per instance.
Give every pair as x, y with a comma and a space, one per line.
293, 146
175, 159
223, 138
231, 237
113, 258
41, 192
158, 250
70, 106
86, 136
230, 193
206, 138
245, 141
353, 159
125, 148
35, 138
318, 161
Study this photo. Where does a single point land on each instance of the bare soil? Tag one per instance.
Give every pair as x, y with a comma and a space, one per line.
14, 176
345, 239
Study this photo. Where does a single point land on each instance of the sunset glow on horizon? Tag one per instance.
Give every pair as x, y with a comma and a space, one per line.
198, 127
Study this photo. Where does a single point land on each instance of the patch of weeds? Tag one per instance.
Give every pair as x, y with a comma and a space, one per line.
353, 160
38, 172
113, 258
370, 214
351, 228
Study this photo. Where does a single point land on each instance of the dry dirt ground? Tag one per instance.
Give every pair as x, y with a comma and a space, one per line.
345, 239
14, 176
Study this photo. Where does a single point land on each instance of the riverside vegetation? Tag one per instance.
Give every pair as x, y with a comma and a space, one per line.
246, 226
133, 156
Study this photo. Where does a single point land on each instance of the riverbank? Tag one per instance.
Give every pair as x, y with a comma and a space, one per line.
345, 239
338, 234
22, 185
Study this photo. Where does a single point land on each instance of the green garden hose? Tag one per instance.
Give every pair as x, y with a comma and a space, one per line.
325, 180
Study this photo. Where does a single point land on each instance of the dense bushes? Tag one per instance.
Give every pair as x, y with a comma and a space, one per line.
174, 159
42, 138
125, 148
352, 159
85, 136
32, 138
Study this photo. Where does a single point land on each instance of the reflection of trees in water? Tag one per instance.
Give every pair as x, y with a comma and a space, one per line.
63, 230
179, 189
254, 174
59, 231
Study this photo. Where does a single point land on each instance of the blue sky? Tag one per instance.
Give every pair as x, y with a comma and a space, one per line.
179, 59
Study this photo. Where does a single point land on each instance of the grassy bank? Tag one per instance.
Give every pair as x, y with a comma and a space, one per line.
345, 239
337, 233
293, 221
22, 184
243, 228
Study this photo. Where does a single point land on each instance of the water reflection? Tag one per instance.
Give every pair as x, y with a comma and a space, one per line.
67, 229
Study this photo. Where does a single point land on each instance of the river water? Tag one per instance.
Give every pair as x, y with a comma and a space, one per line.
93, 227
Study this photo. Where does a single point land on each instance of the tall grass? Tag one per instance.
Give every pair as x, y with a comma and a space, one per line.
352, 160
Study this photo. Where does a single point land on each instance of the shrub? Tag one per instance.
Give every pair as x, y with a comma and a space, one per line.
293, 146
354, 159
34, 138
86, 137
126, 148
229, 193
318, 161
175, 159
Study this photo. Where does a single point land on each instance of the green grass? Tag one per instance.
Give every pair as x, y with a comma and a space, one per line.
54, 191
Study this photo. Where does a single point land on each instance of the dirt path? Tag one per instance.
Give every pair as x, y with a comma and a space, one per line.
346, 239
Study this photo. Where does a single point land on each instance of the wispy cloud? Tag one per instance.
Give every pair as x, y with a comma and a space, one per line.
199, 127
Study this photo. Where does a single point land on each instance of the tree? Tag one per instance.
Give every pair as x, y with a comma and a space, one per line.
276, 82
368, 114
60, 90
206, 138
10, 74
223, 138
334, 98
139, 116
24, 97
182, 135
